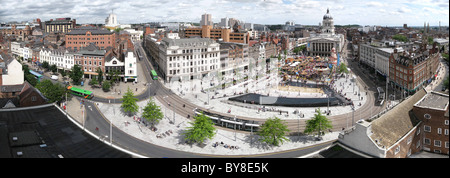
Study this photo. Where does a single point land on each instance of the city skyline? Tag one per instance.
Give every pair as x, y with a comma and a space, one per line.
305, 12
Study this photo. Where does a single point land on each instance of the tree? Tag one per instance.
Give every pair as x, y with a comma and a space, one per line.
76, 74
106, 85
202, 128
63, 73
318, 123
93, 81
53, 92
152, 112
31, 79
129, 104
100, 75
400, 38
343, 68
273, 131
45, 65
53, 68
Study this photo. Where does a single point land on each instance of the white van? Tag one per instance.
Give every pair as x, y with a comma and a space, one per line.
54, 77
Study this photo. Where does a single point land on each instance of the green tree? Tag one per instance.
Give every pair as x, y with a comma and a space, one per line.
100, 75
343, 68
63, 73
129, 104
318, 123
202, 128
152, 112
400, 38
106, 86
76, 74
45, 65
273, 131
93, 81
31, 79
53, 92
53, 68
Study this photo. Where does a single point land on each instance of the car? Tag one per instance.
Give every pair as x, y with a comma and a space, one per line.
54, 77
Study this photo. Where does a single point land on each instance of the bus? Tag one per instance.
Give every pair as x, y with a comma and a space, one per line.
380, 95
36, 75
80, 92
154, 75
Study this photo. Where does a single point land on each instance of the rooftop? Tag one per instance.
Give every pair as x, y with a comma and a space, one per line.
393, 125
46, 132
434, 100
93, 30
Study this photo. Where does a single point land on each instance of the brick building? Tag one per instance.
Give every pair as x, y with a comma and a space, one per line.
20, 32
90, 58
433, 111
82, 37
411, 69
227, 35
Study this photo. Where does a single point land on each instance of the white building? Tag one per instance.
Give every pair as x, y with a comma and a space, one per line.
111, 20
130, 67
61, 58
321, 44
376, 55
26, 52
187, 59
12, 73
16, 49
135, 34
224, 22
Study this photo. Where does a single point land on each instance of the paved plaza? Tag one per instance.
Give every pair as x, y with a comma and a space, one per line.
246, 144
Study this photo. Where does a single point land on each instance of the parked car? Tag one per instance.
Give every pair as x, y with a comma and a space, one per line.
54, 77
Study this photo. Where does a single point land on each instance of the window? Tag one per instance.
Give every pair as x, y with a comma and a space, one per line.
439, 131
446, 131
446, 122
397, 150
426, 141
446, 144
427, 128
437, 143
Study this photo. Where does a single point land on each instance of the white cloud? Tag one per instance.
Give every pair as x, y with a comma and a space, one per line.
309, 12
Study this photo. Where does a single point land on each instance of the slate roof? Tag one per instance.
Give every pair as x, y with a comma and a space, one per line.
393, 125
47, 133
93, 30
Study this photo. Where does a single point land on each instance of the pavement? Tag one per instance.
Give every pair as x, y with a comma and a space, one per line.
267, 86
247, 143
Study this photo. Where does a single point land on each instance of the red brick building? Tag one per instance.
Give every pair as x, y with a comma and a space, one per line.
82, 37
409, 70
433, 111
90, 58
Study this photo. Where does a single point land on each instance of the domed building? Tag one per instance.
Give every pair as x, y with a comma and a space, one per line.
323, 43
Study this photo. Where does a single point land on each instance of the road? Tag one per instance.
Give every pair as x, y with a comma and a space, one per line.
184, 108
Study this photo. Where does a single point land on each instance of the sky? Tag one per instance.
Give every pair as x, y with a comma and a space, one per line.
305, 12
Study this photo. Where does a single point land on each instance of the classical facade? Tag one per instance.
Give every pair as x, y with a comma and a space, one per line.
184, 59
323, 43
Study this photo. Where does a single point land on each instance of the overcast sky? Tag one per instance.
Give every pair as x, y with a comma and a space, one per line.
306, 12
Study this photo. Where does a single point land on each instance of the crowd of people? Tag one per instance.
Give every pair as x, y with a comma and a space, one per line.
231, 147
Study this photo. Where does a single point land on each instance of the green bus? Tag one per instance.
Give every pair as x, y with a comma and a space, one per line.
80, 92
154, 75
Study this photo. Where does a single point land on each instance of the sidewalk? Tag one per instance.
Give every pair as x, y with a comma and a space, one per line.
219, 105
247, 145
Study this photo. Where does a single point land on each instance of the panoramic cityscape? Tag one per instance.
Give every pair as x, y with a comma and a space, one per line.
224, 79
